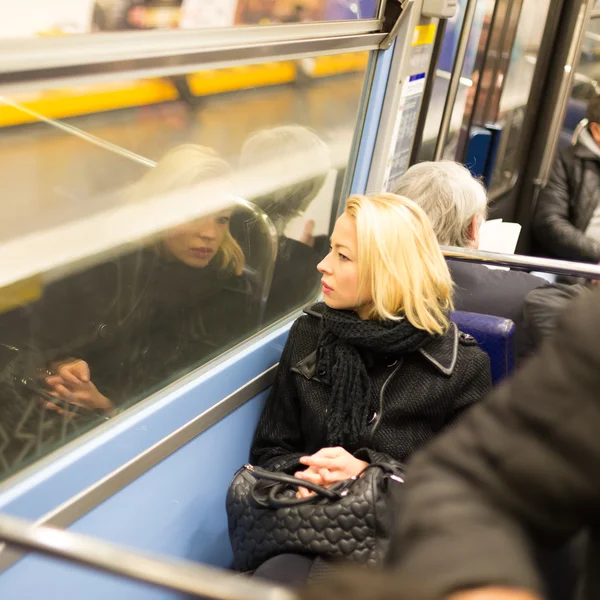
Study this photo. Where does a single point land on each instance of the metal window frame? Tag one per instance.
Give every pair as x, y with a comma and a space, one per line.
49, 62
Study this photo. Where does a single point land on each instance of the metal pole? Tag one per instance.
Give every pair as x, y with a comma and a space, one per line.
523, 263
179, 575
457, 69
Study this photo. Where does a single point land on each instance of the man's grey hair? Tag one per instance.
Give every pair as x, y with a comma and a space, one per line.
449, 195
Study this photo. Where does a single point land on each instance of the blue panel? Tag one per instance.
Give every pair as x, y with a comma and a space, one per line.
175, 509
71, 471
478, 151
371, 126
36, 577
496, 133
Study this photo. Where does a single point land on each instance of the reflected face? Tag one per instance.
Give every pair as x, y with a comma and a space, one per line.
340, 270
196, 243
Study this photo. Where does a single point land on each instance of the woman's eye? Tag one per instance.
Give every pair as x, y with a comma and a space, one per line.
223, 220
342, 256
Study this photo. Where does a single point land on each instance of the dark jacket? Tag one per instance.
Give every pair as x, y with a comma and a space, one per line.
426, 391
495, 292
143, 320
140, 321
543, 307
566, 206
523, 466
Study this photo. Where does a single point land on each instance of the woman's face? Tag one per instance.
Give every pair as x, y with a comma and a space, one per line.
340, 270
196, 243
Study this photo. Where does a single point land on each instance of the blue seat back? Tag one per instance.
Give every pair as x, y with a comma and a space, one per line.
495, 336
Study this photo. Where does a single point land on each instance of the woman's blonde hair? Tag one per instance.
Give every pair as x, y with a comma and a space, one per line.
400, 262
184, 166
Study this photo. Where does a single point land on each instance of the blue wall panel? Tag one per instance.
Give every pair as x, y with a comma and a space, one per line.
176, 509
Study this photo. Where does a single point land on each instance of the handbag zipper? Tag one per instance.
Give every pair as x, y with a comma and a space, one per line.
382, 391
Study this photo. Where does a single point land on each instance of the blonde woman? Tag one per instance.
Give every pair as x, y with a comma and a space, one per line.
377, 369
152, 315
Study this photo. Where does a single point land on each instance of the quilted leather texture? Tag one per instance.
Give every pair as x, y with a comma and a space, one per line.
355, 527
495, 336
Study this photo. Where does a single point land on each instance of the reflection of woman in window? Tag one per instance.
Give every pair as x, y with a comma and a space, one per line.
283, 150
375, 371
145, 318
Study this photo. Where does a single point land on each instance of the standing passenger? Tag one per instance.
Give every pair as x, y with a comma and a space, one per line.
375, 371
566, 222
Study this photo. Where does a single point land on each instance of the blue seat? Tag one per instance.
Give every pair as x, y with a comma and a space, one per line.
495, 336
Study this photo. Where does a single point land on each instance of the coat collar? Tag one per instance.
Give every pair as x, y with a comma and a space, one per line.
441, 352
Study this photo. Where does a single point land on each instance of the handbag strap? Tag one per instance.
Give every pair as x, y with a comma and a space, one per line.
259, 473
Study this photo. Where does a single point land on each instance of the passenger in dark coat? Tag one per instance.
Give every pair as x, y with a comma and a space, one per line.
377, 370
519, 470
456, 204
566, 222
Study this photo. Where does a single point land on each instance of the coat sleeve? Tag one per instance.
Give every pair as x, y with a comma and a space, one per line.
278, 441
522, 466
551, 225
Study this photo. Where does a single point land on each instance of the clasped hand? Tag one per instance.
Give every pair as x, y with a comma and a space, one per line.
328, 466
71, 383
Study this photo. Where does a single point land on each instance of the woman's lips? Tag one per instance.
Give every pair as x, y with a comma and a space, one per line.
203, 252
326, 289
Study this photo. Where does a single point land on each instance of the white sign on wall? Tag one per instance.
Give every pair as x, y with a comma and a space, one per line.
28, 18
196, 14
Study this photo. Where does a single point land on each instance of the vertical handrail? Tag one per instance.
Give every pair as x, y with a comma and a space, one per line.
429, 85
176, 575
457, 69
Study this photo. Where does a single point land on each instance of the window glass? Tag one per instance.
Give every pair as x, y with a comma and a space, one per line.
516, 90
66, 17
464, 98
149, 226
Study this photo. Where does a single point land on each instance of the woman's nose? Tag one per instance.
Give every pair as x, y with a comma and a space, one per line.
208, 230
323, 266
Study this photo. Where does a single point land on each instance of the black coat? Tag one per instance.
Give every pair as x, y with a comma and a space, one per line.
543, 307
494, 292
566, 206
521, 467
426, 391
140, 321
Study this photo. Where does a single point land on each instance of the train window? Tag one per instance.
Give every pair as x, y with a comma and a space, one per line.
468, 82
149, 226
66, 17
515, 93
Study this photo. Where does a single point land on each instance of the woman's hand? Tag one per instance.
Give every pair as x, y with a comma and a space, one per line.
333, 465
494, 593
311, 474
72, 384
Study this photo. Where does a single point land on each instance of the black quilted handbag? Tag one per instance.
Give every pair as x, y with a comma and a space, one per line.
350, 520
